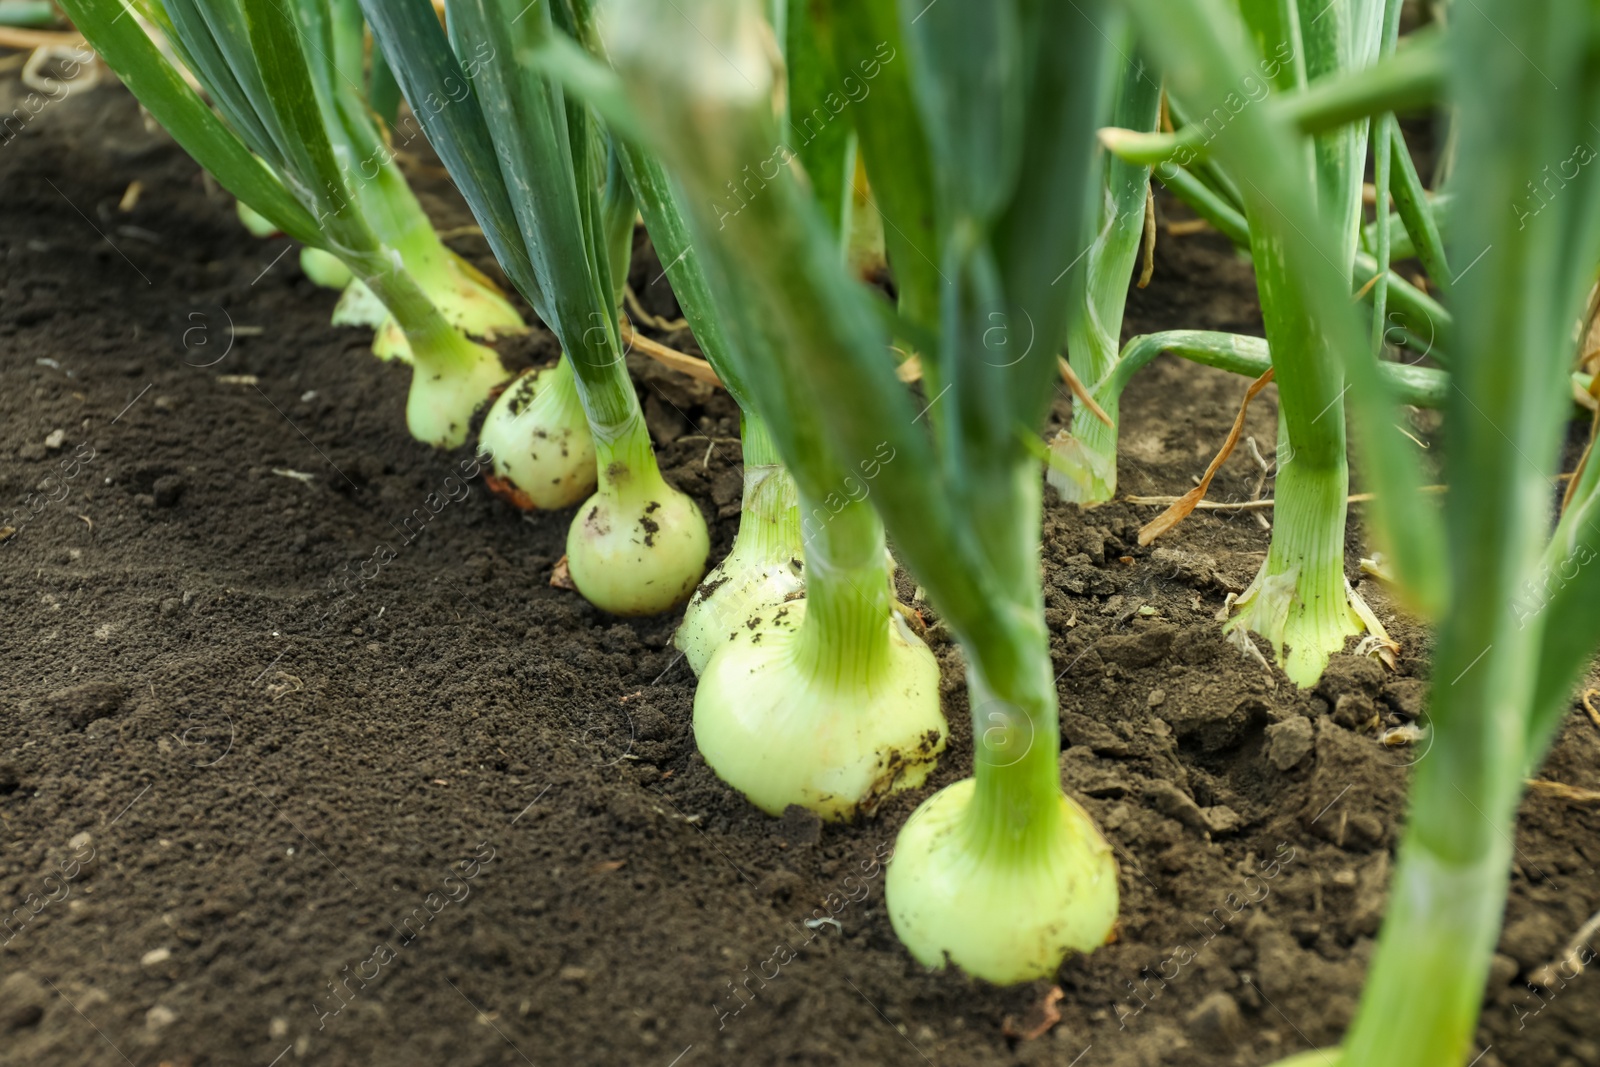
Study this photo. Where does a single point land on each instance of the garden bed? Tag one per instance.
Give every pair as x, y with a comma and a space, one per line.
324, 805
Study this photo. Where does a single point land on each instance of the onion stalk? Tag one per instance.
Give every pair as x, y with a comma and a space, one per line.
1083, 465
1300, 600
1511, 354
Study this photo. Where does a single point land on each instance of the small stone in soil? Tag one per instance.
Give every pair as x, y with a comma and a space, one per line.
1144, 649
1188, 568
1361, 832
1216, 1021
1173, 802
167, 489
1081, 730
22, 1001
1408, 696
1289, 742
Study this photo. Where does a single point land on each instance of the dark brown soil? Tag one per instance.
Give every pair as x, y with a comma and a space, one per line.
266, 800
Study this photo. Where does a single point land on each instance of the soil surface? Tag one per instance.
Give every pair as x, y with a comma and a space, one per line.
266, 800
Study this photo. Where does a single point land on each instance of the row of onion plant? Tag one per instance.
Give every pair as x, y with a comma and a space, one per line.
296, 140
360, 104
813, 690
980, 146
296, 135
1001, 874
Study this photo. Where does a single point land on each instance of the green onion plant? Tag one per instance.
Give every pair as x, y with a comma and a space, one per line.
1301, 601
1513, 604
1083, 462
542, 177
1001, 874
333, 36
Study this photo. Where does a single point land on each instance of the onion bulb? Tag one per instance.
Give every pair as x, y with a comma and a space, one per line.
1004, 901
324, 268
637, 546
829, 702
784, 728
543, 451
258, 224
